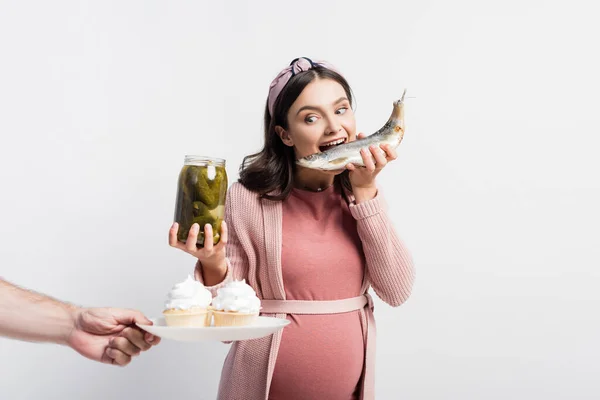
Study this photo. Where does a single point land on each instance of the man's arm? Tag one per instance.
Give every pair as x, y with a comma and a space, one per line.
26, 315
107, 335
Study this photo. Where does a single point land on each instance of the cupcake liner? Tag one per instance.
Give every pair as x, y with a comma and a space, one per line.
181, 318
227, 318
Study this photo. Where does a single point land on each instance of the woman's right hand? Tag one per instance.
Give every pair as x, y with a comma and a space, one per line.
211, 257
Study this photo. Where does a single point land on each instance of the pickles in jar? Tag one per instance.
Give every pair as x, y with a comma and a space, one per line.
201, 193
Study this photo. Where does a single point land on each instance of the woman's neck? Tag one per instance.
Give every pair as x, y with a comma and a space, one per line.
310, 179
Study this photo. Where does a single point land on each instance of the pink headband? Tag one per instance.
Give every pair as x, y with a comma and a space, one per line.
296, 66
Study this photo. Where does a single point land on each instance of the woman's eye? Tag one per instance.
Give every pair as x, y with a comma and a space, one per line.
310, 119
342, 110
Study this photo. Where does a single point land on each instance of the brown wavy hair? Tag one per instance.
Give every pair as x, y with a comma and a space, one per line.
273, 168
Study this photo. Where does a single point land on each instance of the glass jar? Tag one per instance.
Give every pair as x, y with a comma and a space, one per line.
201, 192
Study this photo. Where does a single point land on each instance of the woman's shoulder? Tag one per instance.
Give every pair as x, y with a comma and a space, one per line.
238, 191
242, 198
243, 207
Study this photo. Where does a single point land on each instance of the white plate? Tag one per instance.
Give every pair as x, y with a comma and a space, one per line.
263, 326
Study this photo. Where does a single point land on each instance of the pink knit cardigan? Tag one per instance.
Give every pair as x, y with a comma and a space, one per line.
254, 254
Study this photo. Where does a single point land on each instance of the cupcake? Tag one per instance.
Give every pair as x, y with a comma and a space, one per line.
188, 304
236, 304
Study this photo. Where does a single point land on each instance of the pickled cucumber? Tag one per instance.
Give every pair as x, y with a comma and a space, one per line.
201, 200
209, 190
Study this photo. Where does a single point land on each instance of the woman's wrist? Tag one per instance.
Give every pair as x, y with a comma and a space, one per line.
364, 194
213, 274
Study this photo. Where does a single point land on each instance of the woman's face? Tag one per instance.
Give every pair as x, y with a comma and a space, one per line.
321, 117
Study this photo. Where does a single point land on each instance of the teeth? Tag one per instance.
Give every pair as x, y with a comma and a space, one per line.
334, 143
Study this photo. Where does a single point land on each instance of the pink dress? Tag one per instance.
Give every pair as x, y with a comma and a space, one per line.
320, 356
254, 253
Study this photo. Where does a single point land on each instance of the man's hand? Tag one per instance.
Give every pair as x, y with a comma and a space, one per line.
109, 335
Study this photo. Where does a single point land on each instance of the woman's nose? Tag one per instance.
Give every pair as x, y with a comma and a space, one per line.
333, 127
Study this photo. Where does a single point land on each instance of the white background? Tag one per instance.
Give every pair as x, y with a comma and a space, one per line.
495, 191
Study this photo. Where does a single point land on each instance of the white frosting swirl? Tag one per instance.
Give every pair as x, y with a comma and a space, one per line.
187, 294
237, 296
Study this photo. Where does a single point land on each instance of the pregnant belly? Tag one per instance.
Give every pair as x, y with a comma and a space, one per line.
320, 357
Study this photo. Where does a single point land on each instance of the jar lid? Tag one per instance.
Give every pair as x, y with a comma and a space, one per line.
203, 160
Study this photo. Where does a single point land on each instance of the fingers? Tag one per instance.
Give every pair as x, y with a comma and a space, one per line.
173, 234
190, 243
125, 346
379, 155
390, 152
150, 338
136, 338
375, 157
208, 237
367, 160
116, 357
129, 317
360, 135
130, 343
224, 233
173, 240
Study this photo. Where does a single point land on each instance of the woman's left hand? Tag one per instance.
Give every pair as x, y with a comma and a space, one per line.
363, 178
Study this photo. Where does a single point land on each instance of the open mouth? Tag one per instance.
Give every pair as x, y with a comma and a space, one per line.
332, 144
